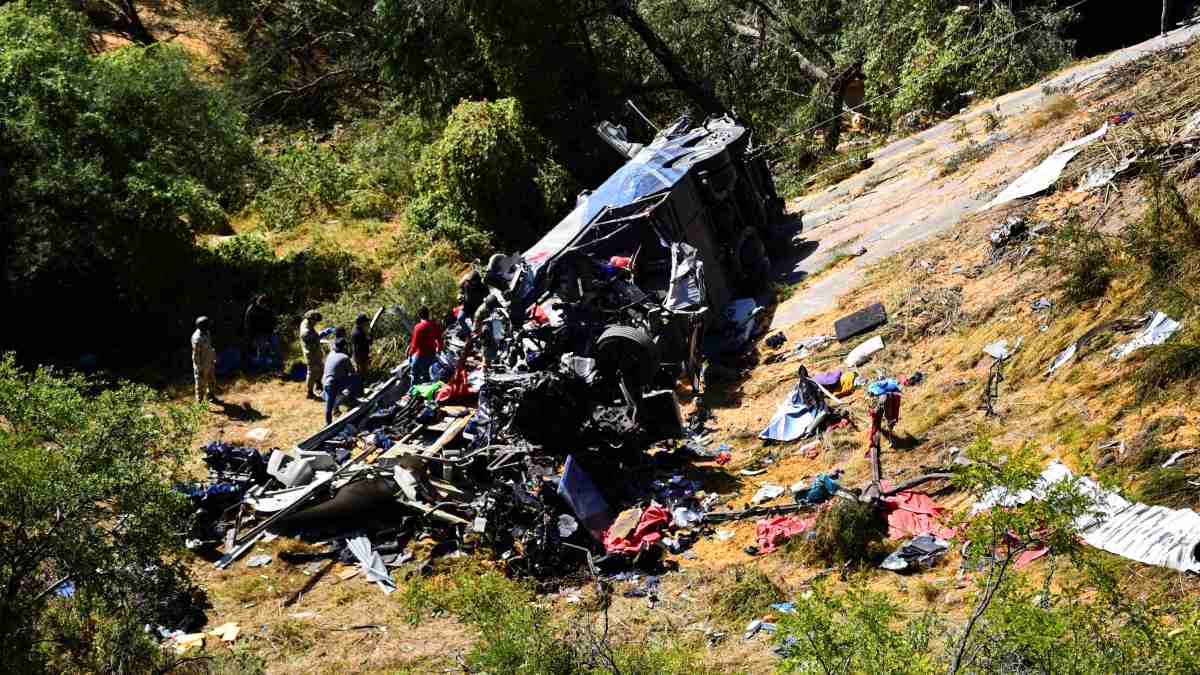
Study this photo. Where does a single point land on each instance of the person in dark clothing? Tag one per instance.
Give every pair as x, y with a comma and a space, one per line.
338, 376
360, 344
471, 293
425, 345
260, 327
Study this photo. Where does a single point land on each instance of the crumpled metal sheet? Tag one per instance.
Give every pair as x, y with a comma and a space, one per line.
1045, 174
371, 563
1154, 535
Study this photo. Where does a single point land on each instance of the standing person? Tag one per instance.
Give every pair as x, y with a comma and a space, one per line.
426, 343
336, 376
310, 345
260, 326
360, 344
204, 361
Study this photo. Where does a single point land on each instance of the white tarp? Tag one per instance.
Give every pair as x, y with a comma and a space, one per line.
1154, 535
1042, 176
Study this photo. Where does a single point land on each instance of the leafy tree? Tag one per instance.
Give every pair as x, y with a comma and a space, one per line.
86, 498
488, 175
111, 164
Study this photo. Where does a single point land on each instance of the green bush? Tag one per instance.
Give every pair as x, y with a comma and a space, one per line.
86, 494
855, 632
109, 165
305, 179
489, 176
1085, 258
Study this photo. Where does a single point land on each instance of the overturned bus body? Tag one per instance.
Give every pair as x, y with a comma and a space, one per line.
573, 350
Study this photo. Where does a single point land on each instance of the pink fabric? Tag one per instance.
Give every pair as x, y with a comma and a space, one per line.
1029, 556
772, 531
646, 533
914, 513
624, 262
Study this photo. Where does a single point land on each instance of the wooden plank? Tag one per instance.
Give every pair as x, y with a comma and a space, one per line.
448, 436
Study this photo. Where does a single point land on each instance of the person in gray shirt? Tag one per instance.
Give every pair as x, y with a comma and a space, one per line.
338, 375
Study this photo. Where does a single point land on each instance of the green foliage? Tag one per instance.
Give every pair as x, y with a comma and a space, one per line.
112, 163
365, 172
1084, 256
1005, 532
518, 633
1088, 627
488, 175
86, 493
743, 593
305, 179
239, 267
1165, 242
411, 285
855, 632
848, 531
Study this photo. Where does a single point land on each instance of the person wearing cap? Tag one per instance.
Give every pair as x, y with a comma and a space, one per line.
426, 343
360, 344
310, 345
204, 361
336, 377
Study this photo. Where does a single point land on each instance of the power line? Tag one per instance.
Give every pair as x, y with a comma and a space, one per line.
890, 92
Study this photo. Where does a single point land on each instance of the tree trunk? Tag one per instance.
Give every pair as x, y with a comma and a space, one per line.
837, 93
136, 29
698, 91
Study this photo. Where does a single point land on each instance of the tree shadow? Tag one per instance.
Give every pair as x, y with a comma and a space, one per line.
240, 413
905, 442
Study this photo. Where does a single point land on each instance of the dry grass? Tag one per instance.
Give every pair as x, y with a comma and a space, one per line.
1055, 109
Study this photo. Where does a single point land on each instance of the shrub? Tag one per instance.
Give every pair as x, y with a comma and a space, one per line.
86, 494
743, 593
847, 532
488, 175
855, 632
304, 179
1085, 258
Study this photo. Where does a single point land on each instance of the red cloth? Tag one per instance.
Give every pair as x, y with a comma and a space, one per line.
457, 390
646, 533
723, 457
426, 338
915, 513
624, 262
773, 531
1029, 556
538, 314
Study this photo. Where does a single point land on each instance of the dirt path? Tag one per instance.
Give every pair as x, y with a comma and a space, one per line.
902, 198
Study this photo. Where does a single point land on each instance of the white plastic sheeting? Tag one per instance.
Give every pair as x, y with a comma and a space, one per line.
1160, 328
371, 563
1042, 176
1154, 535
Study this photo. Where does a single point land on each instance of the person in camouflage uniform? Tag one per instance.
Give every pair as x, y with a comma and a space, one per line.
204, 362
310, 344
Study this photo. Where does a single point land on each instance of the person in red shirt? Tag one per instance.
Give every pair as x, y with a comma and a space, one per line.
425, 345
